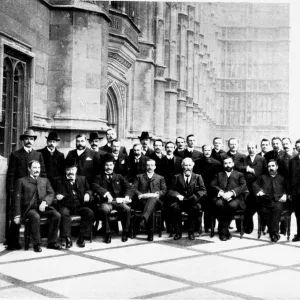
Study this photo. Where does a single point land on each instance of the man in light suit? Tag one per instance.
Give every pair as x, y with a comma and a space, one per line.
188, 188
149, 190
32, 200
190, 151
229, 188
88, 161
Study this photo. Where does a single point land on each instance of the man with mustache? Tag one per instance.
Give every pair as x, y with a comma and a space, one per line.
73, 195
188, 188
264, 146
180, 147
271, 190
110, 136
277, 151
158, 156
120, 159
145, 139
32, 200
89, 162
228, 189
149, 190
54, 160
95, 140
110, 187
18, 168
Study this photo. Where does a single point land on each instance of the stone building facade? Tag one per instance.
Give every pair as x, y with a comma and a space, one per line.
169, 68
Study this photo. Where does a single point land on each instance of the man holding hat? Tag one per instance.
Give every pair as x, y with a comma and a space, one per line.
54, 160
18, 168
73, 195
114, 193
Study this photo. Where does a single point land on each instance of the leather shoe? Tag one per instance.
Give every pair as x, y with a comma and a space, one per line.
124, 238
177, 236
54, 246
37, 248
13, 247
191, 236
222, 237
229, 236
69, 242
107, 239
150, 237
80, 242
296, 238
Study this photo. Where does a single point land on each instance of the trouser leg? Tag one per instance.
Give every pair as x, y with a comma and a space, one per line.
104, 211
53, 224
124, 210
34, 223
176, 216
86, 222
65, 223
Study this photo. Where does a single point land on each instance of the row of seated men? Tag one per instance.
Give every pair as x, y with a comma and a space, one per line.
133, 168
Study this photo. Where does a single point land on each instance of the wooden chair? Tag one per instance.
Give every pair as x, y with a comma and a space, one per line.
239, 215
156, 224
75, 221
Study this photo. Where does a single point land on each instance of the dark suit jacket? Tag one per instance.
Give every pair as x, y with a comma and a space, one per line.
54, 164
18, 166
89, 164
238, 159
64, 188
135, 169
108, 149
25, 188
159, 163
283, 164
207, 169
169, 172
236, 182
194, 155
273, 155
193, 192
156, 184
121, 165
119, 188
218, 155
260, 167
265, 182
179, 153
294, 176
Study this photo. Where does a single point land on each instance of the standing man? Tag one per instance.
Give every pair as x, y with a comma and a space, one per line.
294, 187
73, 195
95, 140
277, 151
18, 168
54, 160
145, 142
110, 136
255, 166
189, 189
137, 162
190, 151
264, 146
171, 166
237, 157
158, 156
110, 186
272, 194
149, 190
207, 167
180, 144
32, 200
217, 151
228, 187
120, 159
88, 160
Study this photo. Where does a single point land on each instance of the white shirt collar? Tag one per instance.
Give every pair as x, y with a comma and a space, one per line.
190, 149
252, 157
51, 151
228, 173
28, 150
150, 175
79, 152
170, 156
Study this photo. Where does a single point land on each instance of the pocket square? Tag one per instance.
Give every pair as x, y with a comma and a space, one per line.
88, 158
123, 162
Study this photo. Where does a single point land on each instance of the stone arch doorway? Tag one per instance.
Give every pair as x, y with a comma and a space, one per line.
112, 110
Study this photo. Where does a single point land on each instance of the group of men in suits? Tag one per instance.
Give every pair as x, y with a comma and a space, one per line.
175, 177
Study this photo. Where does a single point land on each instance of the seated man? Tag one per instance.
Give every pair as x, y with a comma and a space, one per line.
149, 190
271, 191
188, 188
110, 186
73, 195
32, 200
228, 187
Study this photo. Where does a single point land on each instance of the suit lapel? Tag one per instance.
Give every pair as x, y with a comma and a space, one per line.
193, 179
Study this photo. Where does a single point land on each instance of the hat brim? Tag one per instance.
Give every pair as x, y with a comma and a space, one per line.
95, 138
145, 137
22, 136
58, 139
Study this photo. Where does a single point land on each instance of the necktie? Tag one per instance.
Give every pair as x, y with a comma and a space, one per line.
187, 180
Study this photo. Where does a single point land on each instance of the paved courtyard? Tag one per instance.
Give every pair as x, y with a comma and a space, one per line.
206, 268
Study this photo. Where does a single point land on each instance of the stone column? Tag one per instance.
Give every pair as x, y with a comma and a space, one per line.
3, 215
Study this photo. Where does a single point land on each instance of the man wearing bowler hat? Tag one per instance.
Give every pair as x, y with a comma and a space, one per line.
145, 142
94, 141
54, 160
110, 136
18, 168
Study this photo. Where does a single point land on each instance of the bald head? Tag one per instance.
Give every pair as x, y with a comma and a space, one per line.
252, 148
